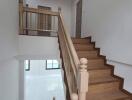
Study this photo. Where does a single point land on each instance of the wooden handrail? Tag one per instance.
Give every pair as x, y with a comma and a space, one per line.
35, 10
77, 82
30, 29
71, 46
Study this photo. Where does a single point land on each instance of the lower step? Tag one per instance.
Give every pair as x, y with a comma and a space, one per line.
104, 87
111, 95
100, 73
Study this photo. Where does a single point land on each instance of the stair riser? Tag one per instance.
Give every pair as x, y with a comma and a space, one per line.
97, 67
88, 54
81, 41
104, 87
95, 62
84, 47
99, 73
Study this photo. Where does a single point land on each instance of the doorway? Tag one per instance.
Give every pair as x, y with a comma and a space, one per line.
78, 18
44, 22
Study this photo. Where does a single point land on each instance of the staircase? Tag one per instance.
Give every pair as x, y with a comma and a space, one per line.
103, 84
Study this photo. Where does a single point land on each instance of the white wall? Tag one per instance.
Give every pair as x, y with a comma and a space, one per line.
9, 80
109, 22
8, 50
66, 6
124, 71
8, 29
38, 47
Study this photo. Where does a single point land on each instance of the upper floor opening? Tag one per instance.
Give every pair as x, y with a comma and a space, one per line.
40, 24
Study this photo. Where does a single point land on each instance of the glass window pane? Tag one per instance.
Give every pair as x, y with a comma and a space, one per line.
55, 61
49, 61
49, 65
55, 65
52, 64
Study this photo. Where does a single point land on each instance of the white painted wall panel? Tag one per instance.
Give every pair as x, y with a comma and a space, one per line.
38, 47
9, 80
8, 29
109, 23
124, 71
8, 49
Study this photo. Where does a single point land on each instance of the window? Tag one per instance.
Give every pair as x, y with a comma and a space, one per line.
27, 65
52, 64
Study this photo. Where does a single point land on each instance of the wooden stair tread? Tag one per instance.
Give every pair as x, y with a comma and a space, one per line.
80, 41
102, 80
87, 51
83, 45
98, 67
111, 95
96, 58
127, 98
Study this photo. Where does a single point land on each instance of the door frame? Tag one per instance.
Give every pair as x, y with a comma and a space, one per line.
78, 25
42, 18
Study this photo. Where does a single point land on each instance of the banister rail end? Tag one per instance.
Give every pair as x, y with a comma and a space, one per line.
83, 79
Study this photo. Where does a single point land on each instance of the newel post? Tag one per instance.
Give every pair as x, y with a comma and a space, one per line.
83, 78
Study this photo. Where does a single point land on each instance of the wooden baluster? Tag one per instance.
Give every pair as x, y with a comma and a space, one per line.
83, 78
35, 25
53, 25
26, 20
21, 1
21, 18
30, 20
74, 96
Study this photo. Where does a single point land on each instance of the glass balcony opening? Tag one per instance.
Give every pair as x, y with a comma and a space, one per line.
43, 80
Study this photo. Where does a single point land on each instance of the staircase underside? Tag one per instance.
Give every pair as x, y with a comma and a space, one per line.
103, 85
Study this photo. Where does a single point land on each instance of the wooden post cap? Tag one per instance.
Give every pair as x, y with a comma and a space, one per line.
74, 96
83, 61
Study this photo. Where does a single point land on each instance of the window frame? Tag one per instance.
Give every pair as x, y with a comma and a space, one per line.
27, 69
52, 65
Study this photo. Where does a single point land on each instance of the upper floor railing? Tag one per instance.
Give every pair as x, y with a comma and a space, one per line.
35, 21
